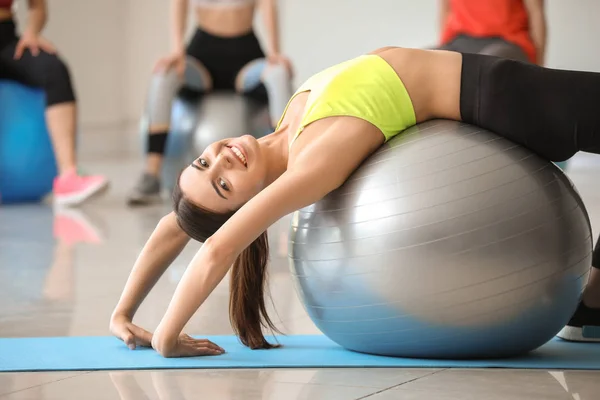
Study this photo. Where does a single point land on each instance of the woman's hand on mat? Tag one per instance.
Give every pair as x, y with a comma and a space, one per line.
175, 60
34, 43
188, 346
131, 334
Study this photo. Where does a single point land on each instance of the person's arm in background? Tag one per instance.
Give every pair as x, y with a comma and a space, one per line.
179, 9
537, 27
30, 39
268, 10
444, 11
176, 59
36, 17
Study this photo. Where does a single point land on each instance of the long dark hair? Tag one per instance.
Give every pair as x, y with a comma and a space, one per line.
247, 311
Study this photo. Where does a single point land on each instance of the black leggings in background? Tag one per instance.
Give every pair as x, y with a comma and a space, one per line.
554, 113
46, 71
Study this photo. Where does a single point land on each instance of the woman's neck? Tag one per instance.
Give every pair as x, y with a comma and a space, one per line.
275, 147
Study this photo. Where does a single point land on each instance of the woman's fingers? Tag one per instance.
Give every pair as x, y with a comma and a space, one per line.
130, 341
212, 345
161, 66
20, 48
123, 333
142, 336
207, 350
205, 342
47, 46
202, 345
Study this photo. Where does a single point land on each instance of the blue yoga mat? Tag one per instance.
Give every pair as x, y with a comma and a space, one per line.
311, 351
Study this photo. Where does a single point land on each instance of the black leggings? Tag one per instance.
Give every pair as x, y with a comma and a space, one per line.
46, 71
554, 113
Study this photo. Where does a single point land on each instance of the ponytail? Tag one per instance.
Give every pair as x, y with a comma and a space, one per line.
247, 310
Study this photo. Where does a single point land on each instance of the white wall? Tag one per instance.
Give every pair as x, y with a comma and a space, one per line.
147, 38
111, 45
88, 35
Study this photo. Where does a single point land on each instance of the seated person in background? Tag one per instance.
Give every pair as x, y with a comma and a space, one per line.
32, 60
224, 53
514, 29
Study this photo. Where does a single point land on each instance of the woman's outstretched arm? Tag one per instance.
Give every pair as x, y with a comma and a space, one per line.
164, 245
318, 171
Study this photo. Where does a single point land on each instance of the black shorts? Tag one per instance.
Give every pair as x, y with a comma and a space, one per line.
554, 113
224, 57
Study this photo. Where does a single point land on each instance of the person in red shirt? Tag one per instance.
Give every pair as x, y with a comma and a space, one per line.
514, 29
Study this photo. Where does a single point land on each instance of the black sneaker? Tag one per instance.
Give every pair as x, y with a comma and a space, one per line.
584, 325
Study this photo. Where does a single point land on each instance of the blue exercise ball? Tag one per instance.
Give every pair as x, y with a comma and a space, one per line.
27, 163
448, 242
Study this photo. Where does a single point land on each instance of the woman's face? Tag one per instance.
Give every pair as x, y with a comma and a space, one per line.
227, 174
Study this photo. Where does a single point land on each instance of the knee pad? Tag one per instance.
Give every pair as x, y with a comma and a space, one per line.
278, 83
57, 82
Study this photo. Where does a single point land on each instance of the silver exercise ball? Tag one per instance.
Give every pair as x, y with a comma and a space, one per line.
448, 242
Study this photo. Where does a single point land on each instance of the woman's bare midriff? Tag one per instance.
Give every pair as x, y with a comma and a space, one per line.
226, 22
431, 77
5, 14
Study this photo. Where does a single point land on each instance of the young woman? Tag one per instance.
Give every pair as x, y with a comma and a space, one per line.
32, 60
231, 194
223, 54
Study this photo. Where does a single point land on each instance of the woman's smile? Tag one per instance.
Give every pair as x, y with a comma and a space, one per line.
237, 152
241, 149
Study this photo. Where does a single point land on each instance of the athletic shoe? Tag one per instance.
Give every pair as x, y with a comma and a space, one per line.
584, 325
146, 191
71, 189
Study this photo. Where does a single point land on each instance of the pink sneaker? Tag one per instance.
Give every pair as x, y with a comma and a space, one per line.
71, 189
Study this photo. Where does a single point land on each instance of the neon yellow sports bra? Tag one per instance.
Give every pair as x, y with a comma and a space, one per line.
366, 87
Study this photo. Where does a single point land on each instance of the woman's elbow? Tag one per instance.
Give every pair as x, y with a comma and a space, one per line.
163, 346
217, 252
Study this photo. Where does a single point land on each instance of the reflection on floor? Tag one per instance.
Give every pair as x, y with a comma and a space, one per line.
61, 273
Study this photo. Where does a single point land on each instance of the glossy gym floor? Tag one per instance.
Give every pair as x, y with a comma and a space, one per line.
62, 274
